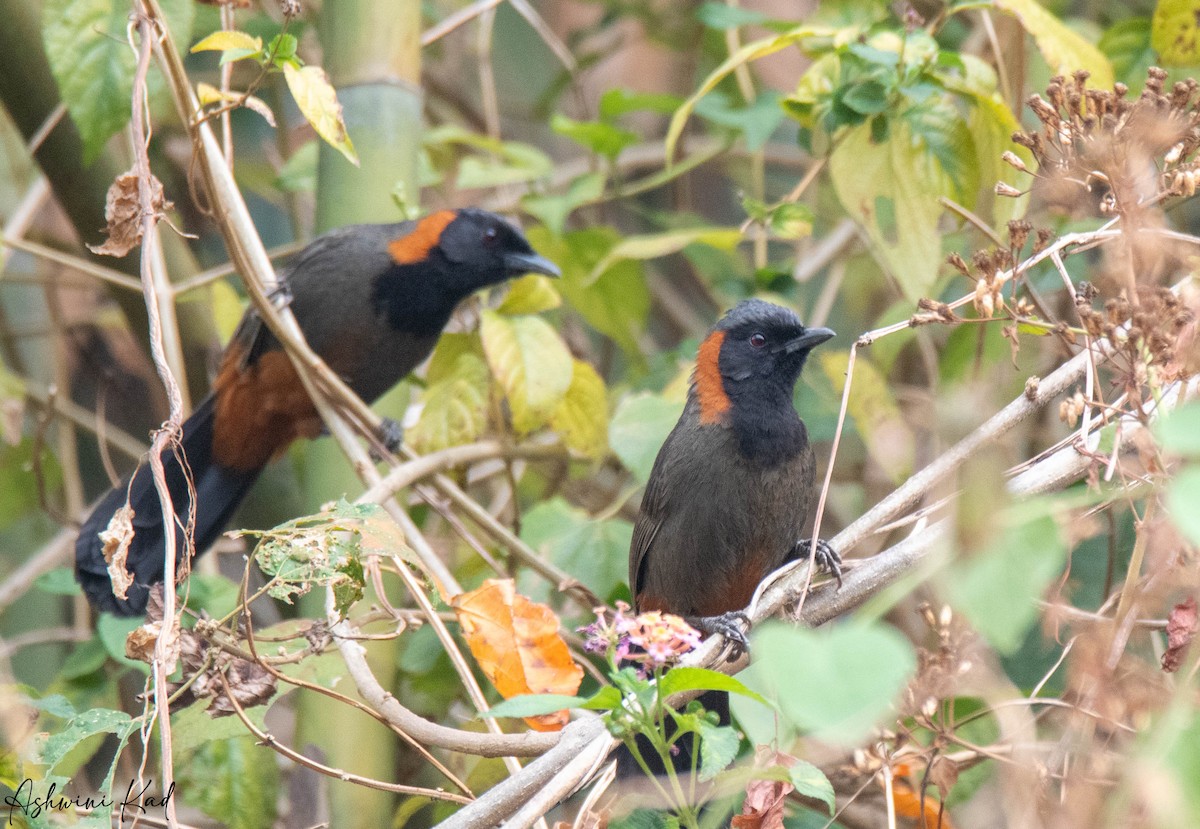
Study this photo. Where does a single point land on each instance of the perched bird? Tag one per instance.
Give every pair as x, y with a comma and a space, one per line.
371, 301
730, 490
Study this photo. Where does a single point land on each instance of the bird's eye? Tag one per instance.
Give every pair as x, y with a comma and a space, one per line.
758, 340
490, 236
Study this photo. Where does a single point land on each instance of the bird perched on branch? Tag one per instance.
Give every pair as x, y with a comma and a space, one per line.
729, 493
371, 301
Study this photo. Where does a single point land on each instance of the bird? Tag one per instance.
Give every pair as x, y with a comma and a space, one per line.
371, 300
729, 492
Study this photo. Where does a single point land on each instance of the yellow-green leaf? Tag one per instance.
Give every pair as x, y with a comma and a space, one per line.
455, 408
892, 190
1174, 32
227, 39
531, 363
889, 440
318, 103
531, 294
227, 308
582, 416
209, 94
1064, 49
654, 245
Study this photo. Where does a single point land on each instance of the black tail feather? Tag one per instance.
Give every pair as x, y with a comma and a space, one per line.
218, 489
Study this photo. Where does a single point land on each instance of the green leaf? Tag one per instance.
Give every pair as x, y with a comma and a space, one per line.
318, 103
1064, 49
1183, 494
638, 429
852, 673
54, 747
868, 97
810, 781
18, 484
581, 419
720, 16
1127, 45
91, 60
593, 551
718, 748
531, 294
234, 781
553, 209
193, 726
654, 245
112, 631
532, 364
617, 303
226, 40
60, 582
86, 658
757, 121
455, 409
601, 138
891, 189
677, 680
1179, 431
299, 173
747, 54
617, 102
533, 705
998, 589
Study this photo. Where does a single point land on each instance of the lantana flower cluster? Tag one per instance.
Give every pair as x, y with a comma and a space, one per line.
649, 641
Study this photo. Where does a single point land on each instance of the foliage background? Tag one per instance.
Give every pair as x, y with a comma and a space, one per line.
833, 165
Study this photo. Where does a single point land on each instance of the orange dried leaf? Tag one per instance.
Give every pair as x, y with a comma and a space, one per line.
517, 644
123, 213
909, 804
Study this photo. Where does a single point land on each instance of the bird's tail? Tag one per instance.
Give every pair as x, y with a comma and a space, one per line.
218, 491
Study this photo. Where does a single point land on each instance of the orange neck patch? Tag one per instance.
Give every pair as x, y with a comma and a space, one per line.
415, 247
710, 390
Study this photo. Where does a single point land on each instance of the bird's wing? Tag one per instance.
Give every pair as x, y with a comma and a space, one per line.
653, 512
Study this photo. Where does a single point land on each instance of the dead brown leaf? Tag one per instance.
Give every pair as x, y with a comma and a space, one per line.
123, 214
115, 539
1181, 629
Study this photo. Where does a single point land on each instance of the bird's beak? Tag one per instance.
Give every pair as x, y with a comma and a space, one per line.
519, 263
810, 339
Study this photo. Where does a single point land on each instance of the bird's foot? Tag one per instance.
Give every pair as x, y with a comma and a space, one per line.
733, 626
826, 557
391, 435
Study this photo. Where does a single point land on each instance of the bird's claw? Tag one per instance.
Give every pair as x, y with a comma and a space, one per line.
826, 557
733, 626
391, 435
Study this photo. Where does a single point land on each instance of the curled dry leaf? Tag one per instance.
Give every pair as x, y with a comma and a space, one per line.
1182, 624
249, 683
517, 644
765, 799
116, 538
123, 214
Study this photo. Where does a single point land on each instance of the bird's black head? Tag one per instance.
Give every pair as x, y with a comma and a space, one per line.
755, 353
445, 257
474, 248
